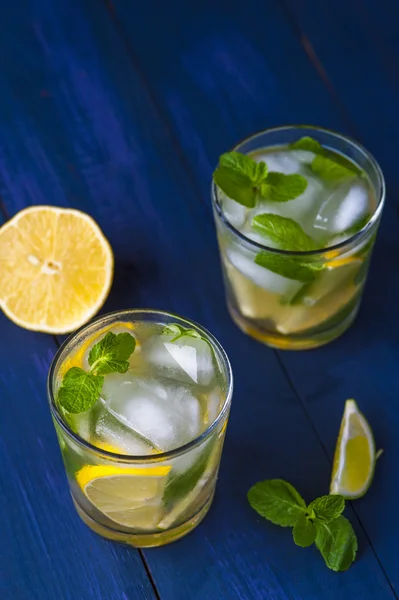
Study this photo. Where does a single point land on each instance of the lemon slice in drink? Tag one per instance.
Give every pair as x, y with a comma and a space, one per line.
354, 459
56, 269
131, 497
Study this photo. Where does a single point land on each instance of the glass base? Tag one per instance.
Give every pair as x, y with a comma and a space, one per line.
144, 540
300, 341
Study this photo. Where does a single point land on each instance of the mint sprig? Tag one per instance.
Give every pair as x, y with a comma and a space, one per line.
243, 179
81, 389
288, 235
330, 166
282, 188
285, 232
178, 332
239, 176
287, 266
321, 522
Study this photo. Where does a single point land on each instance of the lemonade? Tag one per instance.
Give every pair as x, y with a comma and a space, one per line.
296, 212
142, 460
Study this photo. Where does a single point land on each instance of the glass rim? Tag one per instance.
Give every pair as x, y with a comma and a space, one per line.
145, 458
369, 226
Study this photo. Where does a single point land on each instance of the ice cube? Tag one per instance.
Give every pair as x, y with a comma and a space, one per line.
302, 209
282, 162
166, 421
343, 208
234, 212
111, 432
272, 282
188, 359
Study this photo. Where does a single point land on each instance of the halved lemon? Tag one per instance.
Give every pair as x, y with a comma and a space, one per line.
354, 459
131, 497
56, 269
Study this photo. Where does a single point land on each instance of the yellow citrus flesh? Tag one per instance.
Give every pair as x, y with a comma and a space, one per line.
131, 497
77, 358
354, 458
56, 269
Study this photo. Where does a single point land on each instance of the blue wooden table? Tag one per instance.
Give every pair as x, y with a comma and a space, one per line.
121, 110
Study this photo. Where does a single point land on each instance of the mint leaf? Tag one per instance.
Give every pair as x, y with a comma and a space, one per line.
244, 164
277, 500
308, 143
238, 176
111, 354
282, 188
178, 486
337, 543
287, 233
287, 266
79, 390
178, 332
327, 508
304, 532
330, 170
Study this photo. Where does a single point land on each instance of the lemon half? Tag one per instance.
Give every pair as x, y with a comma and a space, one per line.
56, 269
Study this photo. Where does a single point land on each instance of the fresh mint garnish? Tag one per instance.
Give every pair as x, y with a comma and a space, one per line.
277, 501
307, 143
288, 266
239, 176
337, 543
320, 522
178, 332
327, 508
328, 165
81, 389
330, 170
282, 188
244, 180
111, 354
287, 233
304, 531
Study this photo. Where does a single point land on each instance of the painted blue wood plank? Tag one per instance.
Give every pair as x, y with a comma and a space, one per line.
96, 142
209, 87
45, 551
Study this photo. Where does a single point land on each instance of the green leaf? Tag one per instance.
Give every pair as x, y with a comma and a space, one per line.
287, 266
308, 143
277, 500
327, 508
287, 233
179, 486
244, 164
238, 176
111, 353
331, 170
79, 390
178, 332
337, 543
282, 188
304, 532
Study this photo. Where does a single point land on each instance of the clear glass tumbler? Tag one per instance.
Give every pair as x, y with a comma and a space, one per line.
284, 313
152, 499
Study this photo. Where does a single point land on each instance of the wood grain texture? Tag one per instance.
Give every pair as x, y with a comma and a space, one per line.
84, 128
215, 55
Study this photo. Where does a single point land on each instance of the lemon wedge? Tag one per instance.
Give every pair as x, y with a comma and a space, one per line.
130, 496
355, 457
56, 269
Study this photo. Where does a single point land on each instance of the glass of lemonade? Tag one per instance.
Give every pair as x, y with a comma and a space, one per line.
296, 220
142, 460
